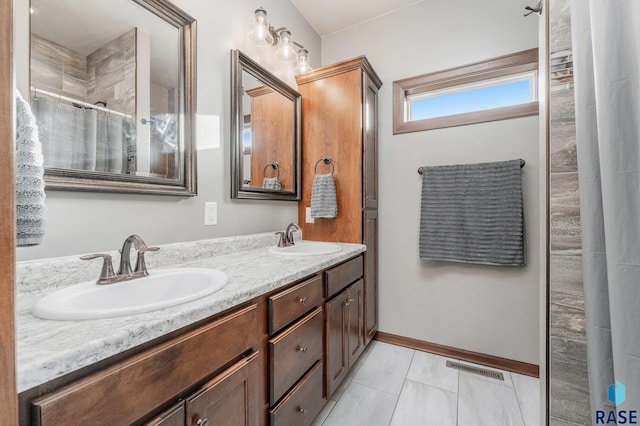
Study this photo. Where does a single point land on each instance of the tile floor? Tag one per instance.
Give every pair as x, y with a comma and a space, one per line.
393, 385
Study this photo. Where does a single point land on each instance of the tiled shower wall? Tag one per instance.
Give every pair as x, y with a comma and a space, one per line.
569, 386
108, 73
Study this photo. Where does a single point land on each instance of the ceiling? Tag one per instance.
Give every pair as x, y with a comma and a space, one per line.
329, 16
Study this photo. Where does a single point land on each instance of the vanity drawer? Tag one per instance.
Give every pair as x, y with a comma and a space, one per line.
304, 403
129, 390
293, 352
290, 304
343, 275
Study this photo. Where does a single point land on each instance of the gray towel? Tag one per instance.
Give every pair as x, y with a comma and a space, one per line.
272, 183
473, 213
324, 202
30, 208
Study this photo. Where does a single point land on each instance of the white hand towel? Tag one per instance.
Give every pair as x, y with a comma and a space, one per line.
324, 202
30, 207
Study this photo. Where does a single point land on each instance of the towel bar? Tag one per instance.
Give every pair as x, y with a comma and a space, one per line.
522, 163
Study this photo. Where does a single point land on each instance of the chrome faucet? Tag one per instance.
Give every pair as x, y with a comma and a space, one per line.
107, 276
286, 237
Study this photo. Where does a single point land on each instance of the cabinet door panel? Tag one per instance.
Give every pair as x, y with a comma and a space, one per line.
370, 148
370, 274
337, 360
355, 334
230, 398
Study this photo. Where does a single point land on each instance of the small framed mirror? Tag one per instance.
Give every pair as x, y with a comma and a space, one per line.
112, 87
265, 133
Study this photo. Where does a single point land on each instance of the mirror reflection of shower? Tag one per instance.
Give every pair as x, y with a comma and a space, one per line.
89, 90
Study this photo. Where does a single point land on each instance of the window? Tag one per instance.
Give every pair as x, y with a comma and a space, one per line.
497, 89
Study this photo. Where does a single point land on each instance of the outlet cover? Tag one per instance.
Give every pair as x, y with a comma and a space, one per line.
307, 216
210, 214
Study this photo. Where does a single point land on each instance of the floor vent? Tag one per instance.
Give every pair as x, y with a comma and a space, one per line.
475, 370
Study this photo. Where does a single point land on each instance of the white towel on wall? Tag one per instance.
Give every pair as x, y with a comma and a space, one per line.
30, 196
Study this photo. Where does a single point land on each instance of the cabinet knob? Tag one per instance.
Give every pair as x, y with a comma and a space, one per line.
302, 300
303, 411
302, 348
202, 422
349, 302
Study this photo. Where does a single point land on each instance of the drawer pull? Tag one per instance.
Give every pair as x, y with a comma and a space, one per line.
302, 348
303, 411
202, 422
302, 300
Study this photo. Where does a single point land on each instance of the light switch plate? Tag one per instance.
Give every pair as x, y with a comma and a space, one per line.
210, 213
308, 218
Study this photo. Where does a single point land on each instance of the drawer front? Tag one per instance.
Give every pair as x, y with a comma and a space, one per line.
304, 403
343, 275
123, 393
290, 304
293, 352
172, 417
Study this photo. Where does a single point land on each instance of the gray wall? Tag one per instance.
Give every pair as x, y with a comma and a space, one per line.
484, 309
568, 391
86, 222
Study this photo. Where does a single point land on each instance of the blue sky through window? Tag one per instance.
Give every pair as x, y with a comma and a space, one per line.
484, 98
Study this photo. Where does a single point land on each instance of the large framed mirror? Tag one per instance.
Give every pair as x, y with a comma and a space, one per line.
265, 133
112, 87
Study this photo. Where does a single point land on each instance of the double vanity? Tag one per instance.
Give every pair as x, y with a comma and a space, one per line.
268, 347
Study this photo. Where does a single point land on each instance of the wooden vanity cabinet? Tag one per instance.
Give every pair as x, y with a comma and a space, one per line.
344, 325
129, 391
340, 120
295, 353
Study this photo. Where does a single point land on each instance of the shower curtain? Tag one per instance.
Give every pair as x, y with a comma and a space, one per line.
82, 139
606, 52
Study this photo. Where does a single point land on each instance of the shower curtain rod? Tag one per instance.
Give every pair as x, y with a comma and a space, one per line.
77, 101
521, 166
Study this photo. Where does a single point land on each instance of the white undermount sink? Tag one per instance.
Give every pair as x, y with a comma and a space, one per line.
161, 289
307, 248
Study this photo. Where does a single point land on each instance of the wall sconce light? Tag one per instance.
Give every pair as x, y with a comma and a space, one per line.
262, 34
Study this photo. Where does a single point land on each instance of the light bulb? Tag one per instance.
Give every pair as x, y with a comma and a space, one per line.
260, 34
303, 66
285, 52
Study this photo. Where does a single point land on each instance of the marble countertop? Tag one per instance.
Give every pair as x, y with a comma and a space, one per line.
48, 349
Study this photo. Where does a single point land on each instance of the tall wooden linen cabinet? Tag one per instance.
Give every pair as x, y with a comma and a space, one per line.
340, 121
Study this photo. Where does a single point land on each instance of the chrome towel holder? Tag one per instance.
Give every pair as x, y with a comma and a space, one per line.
273, 165
522, 163
327, 160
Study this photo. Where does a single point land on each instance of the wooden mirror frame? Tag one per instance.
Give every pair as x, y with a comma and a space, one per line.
239, 63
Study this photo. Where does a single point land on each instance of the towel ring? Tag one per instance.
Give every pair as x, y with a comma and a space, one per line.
275, 167
326, 160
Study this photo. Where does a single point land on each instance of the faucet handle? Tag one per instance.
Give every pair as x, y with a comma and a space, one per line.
141, 266
282, 242
107, 274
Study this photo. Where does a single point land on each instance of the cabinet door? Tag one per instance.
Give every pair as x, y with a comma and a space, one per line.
370, 145
231, 398
370, 220
355, 335
337, 324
